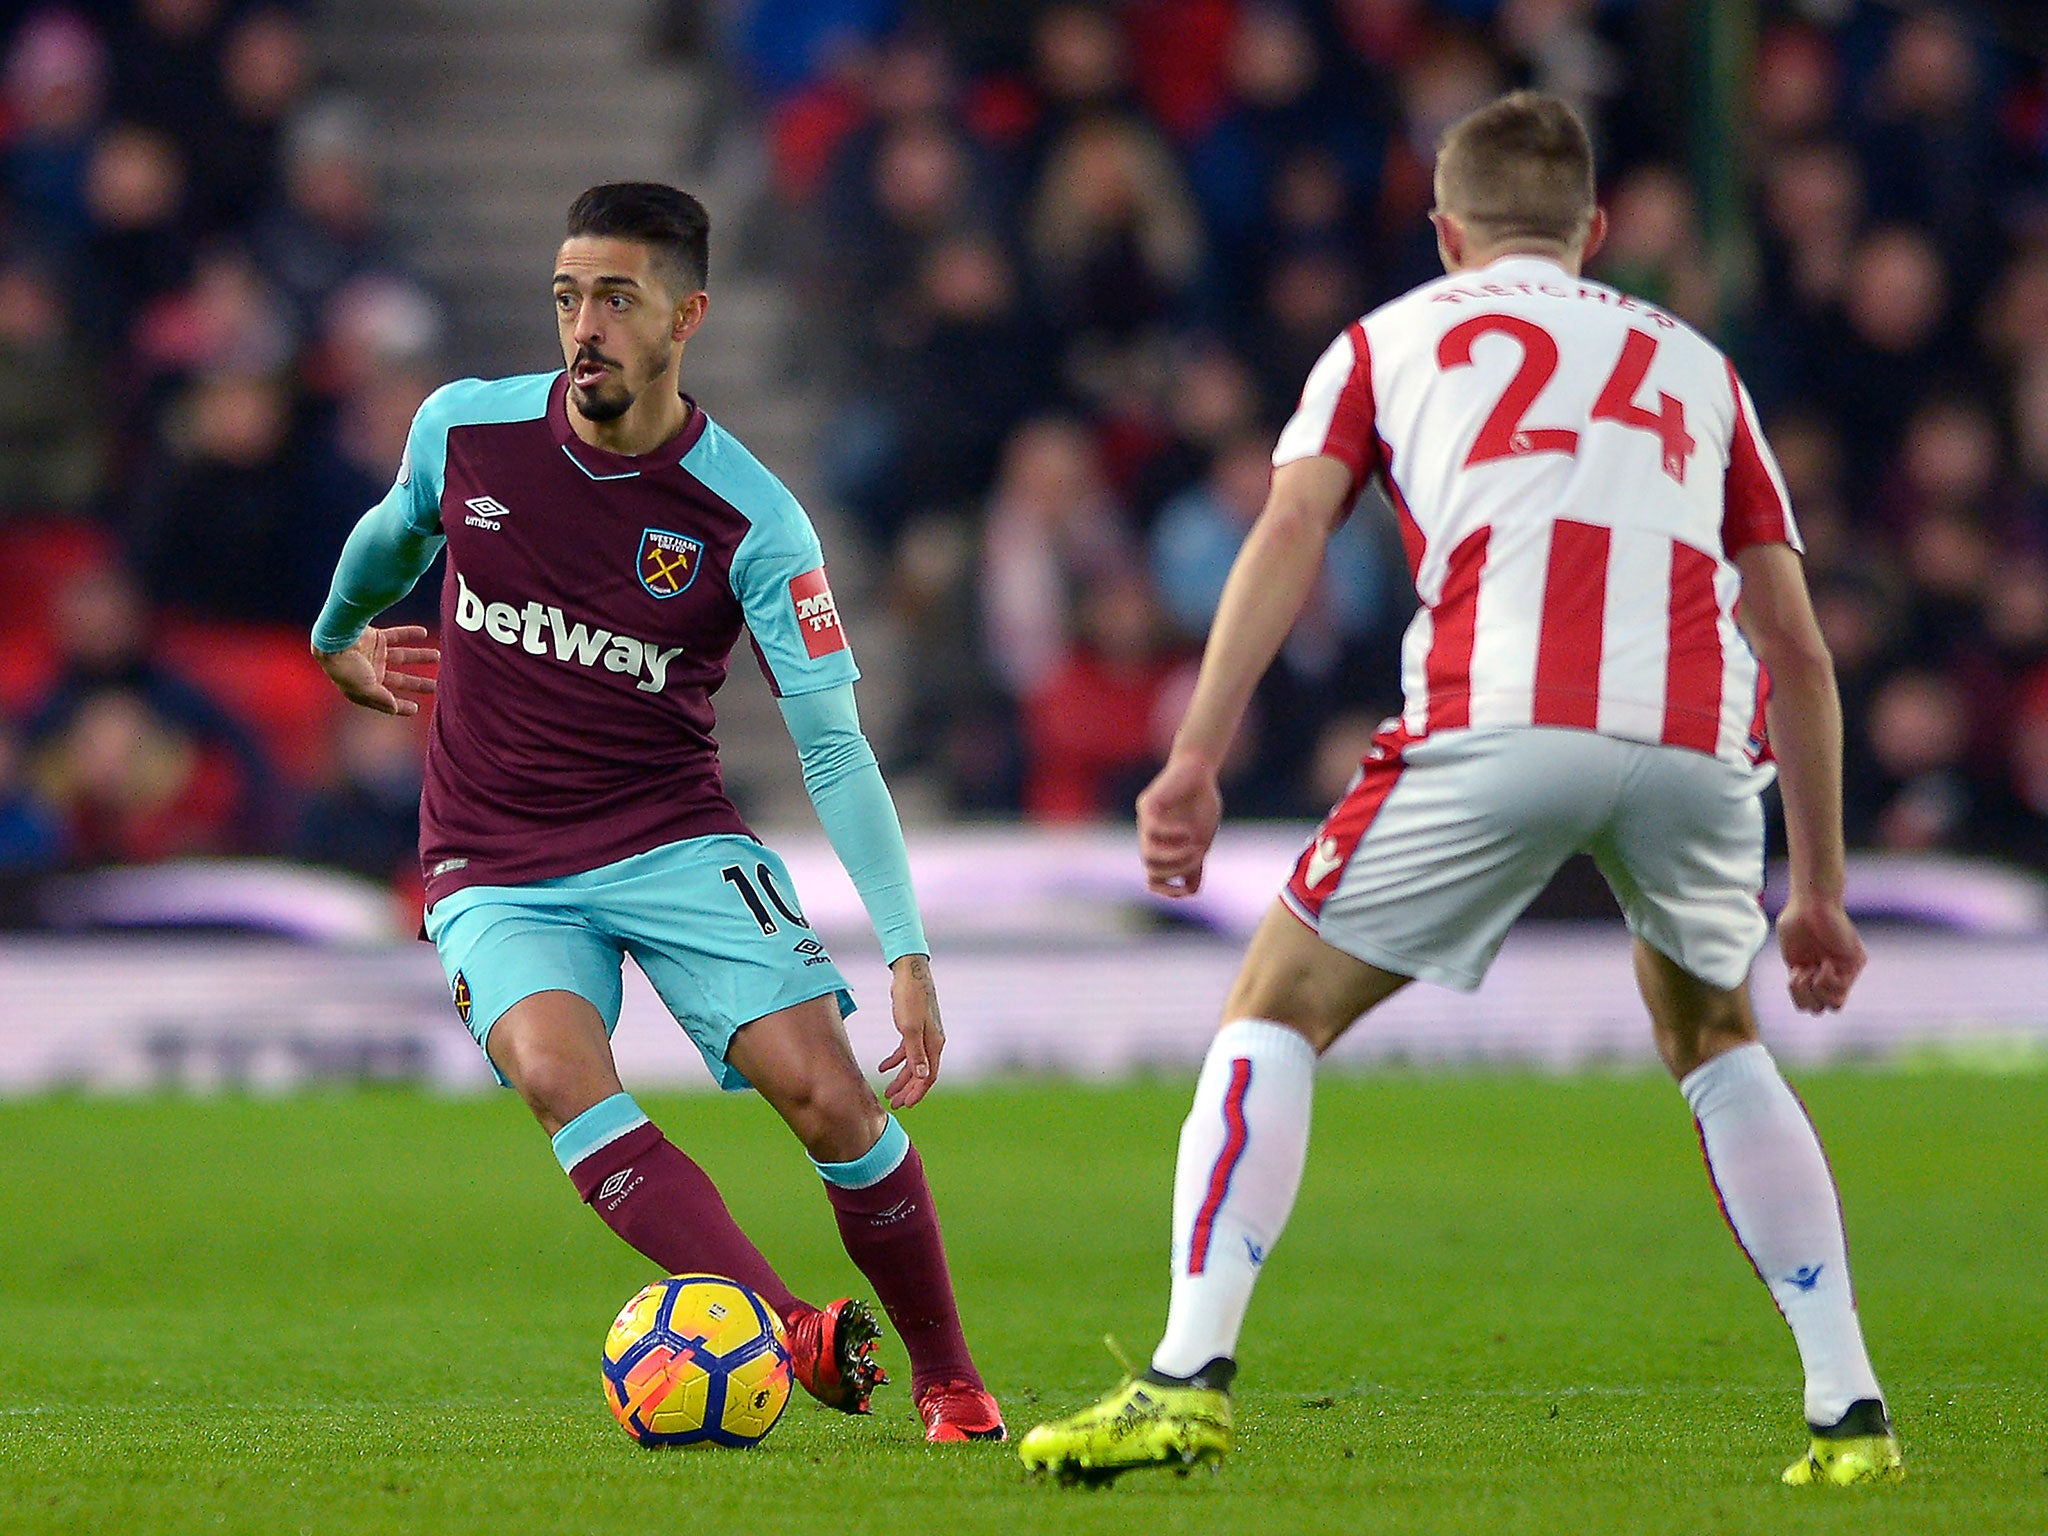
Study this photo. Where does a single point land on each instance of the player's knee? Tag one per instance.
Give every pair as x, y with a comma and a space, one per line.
552, 1097
836, 1116
556, 1086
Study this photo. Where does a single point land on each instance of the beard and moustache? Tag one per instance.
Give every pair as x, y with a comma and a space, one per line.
600, 407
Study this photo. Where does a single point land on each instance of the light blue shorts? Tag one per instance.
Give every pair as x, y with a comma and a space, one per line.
712, 921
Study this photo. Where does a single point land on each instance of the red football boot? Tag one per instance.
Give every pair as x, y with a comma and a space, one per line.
832, 1353
960, 1410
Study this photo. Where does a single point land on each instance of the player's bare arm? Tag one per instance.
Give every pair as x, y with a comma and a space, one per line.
1269, 584
1822, 952
364, 672
914, 1001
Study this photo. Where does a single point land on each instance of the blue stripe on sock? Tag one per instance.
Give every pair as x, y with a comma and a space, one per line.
872, 1166
598, 1126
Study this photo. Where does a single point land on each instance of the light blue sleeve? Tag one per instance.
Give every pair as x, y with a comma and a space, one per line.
778, 571
853, 804
382, 559
397, 539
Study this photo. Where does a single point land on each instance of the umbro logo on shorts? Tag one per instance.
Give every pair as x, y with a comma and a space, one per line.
484, 512
813, 952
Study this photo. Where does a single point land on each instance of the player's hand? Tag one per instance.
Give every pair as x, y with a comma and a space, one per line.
363, 671
914, 999
1177, 818
1823, 956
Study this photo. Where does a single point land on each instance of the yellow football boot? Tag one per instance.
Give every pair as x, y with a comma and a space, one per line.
1859, 1448
1146, 1422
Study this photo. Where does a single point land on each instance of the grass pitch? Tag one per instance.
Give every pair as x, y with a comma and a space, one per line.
1505, 1304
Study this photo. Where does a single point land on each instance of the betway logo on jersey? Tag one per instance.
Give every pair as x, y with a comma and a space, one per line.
538, 628
817, 616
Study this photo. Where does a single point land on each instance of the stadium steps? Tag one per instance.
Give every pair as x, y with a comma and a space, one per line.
491, 117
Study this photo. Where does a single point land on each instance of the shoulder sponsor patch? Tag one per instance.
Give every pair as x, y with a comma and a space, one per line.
668, 561
816, 614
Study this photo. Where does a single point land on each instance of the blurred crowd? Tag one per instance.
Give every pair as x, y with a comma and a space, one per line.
1076, 260
209, 355
1065, 267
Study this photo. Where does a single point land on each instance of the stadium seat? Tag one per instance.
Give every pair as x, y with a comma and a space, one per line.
263, 675
36, 556
28, 667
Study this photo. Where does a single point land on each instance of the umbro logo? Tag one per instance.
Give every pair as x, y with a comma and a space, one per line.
1807, 1276
813, 952
1323, 861
902, 1210
615, 1185
484, 512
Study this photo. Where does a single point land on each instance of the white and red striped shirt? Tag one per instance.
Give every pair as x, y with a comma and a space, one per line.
1573, 470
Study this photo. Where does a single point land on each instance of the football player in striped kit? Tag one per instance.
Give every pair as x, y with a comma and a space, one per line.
1584, 493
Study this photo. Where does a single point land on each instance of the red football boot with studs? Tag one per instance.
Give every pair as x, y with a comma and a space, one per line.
832, 1353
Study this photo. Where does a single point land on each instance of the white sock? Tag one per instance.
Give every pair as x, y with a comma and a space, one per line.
1778, 1195
1241, 1155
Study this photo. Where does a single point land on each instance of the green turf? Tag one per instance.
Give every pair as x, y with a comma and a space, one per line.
1505, 1305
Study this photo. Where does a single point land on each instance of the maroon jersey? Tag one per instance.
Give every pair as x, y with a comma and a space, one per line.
590, 606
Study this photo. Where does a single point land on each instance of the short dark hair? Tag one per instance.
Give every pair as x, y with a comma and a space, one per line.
1520, 167
666, 219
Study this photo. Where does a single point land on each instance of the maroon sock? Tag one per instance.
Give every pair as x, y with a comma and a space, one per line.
654, 1197
891, 1230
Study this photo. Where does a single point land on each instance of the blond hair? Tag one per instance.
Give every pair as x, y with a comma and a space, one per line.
1518, 169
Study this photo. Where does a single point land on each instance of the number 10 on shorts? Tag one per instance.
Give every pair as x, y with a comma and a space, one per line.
750, 891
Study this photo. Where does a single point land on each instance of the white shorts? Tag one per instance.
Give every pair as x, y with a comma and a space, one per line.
1440, 844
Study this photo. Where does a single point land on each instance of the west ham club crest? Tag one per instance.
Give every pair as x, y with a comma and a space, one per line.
668, 561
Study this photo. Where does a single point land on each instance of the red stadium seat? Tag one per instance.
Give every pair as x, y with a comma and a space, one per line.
28, 669
263, 675
36, 554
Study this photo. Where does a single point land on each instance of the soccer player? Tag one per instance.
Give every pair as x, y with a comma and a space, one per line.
606, 541
1584, 494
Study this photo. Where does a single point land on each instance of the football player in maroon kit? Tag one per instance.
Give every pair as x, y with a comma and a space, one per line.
606, 542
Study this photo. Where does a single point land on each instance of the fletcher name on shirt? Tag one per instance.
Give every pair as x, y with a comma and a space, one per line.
1456, 293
